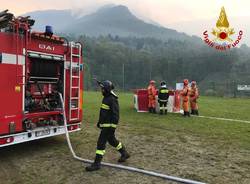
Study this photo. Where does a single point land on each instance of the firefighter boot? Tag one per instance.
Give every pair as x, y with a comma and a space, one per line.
193, 112
154, 111
185, 114
96, 165
150, 109
196, 112
161, 112
124, 154
166, 111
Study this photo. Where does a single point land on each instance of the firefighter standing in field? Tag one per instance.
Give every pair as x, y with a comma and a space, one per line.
163, 97
194, 95
152, 97
108, 120
185, 97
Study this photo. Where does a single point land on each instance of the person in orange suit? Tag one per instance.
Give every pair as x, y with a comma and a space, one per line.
185, 97
152, 97
194, 95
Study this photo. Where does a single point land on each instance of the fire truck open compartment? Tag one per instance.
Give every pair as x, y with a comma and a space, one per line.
35, 69
45, 79
42, 103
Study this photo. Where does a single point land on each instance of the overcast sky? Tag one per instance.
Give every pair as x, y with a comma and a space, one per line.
163, 11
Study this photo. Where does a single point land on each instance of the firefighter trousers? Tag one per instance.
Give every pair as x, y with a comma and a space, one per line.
107, 135
163, 106
185, 106
151, 103
194, 105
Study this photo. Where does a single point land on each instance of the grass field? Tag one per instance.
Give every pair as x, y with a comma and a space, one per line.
211, 151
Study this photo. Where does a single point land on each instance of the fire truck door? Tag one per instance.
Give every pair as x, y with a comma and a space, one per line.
11, 98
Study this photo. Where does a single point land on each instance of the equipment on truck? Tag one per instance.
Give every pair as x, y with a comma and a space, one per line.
35, 67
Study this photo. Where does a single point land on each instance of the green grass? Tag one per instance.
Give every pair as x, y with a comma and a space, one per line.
207, 150
209, 106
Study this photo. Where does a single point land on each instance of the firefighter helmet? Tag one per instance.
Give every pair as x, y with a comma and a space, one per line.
185, 82
163, 83
107, 85
152, 82
193, 83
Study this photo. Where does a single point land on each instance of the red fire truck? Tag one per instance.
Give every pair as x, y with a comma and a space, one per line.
35, 69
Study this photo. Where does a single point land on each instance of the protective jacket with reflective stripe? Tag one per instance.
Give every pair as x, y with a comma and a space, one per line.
109, 112
163, 94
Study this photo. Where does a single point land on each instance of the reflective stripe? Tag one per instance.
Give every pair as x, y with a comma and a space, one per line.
161, 108
12, 59
164, 91
100, 152
119, 146
163, 100
106, 125
104, 106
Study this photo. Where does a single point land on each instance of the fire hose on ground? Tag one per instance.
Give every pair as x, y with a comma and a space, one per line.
117, 166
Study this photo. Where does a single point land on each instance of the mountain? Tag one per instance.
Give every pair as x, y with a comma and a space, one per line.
113, 20
120, 21
56, 18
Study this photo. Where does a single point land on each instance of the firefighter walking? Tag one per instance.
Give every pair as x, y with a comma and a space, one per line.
194, 95
108, 121
152, 97
185, 98
163, 98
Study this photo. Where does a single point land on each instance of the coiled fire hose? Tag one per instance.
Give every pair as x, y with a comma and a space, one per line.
117, 166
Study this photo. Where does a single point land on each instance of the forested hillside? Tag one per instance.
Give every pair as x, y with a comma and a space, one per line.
131, 62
